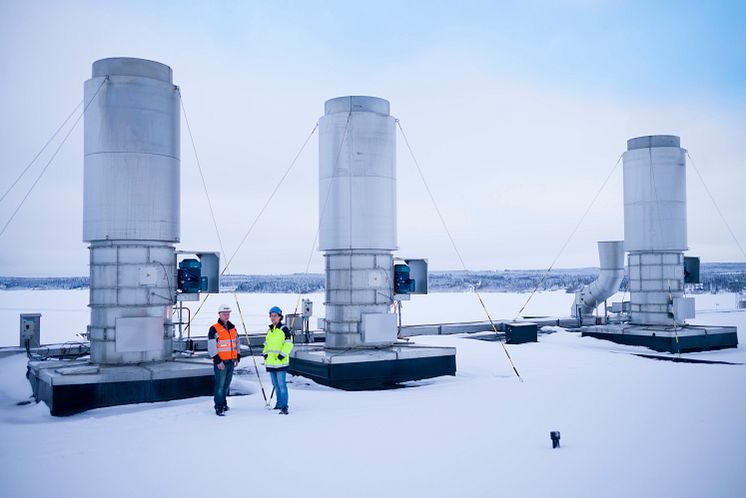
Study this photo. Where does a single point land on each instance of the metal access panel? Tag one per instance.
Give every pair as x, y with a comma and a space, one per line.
30, 330
147, 276
294, 321
143, 333
683, 308
379, 328
210, 269
418, 273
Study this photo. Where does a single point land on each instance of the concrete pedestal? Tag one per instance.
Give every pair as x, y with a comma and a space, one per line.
686, 339
370, 369
69, 387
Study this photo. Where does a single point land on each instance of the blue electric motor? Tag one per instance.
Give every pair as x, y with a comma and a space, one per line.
402, 283
190, 279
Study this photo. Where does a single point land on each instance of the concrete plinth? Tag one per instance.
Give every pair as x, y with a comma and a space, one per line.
370, 369
686, 339
69, 387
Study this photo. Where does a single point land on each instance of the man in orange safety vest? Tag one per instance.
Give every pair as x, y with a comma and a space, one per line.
224, 349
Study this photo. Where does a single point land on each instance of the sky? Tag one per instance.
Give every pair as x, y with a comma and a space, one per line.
517, 113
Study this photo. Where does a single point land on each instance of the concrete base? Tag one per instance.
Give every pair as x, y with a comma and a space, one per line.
69, 387
687, 339
369, 369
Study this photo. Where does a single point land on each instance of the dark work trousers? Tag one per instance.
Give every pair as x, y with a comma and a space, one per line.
222, 383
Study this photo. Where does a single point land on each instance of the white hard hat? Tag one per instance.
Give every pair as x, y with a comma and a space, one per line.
224, 307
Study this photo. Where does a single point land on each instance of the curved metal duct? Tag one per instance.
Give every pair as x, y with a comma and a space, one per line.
611, 258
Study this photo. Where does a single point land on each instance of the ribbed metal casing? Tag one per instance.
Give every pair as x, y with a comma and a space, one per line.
131, 208
357, 175
655, 231
655, 279
131, 279
131, 179
357, 282
357, 214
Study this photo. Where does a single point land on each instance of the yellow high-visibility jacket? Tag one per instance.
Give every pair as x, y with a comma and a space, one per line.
279, 342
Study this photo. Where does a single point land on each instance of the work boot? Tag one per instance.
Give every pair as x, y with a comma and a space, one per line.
284, 411
276, 408
219, 412
225, 408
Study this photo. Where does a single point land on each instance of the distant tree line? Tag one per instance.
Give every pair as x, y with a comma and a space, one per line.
11, 283
714, 277
293, 284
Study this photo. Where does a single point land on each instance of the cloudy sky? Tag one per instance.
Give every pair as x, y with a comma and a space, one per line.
517, 112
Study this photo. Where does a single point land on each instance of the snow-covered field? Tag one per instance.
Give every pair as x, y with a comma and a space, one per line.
630, 426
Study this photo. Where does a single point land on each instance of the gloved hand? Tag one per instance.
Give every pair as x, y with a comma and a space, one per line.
238, 359
265, 356
280, 356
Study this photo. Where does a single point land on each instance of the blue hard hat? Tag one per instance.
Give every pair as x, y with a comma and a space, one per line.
275, 309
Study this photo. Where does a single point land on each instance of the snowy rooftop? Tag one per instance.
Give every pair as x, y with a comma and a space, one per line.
629, 426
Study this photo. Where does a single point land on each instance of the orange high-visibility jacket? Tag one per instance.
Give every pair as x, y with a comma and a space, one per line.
226, 342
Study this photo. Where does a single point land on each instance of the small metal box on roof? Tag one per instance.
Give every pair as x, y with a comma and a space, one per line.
520, 332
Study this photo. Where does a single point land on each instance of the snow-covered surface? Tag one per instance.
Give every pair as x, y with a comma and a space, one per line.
630, 426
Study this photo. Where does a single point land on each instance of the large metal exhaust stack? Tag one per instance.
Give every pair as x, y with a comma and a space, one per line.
357, 220
131, 221
655, 226
357, 232
131, 209
655, 237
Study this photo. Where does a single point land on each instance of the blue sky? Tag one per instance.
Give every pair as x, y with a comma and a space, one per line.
517, 112
662, 49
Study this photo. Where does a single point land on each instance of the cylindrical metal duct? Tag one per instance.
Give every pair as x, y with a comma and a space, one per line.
357, 218
131, 182
131, 208
357, 175
654, 226
655, 194
611, 257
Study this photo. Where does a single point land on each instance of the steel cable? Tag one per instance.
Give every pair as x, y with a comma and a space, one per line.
564, 246
717, 208
52, 158
42, 150
453, 243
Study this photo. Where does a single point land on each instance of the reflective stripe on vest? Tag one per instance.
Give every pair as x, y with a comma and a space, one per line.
227, 342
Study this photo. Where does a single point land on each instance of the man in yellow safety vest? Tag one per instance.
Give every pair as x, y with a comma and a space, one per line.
277, 347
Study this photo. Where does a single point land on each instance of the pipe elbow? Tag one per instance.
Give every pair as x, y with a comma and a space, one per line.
589, 297
611, 256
